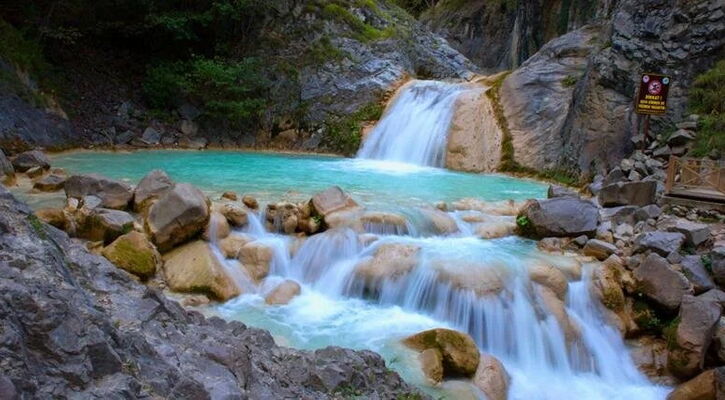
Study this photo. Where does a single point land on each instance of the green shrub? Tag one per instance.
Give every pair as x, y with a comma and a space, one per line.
707, 98
343, 135
569, 81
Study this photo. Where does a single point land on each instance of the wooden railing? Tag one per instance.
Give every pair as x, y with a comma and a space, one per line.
696, 177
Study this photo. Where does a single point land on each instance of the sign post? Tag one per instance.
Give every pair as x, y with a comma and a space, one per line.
652, 98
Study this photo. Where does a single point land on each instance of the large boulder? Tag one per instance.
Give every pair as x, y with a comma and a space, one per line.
331, 200
384, 223
549, 276
193, 268
134, 253
480, 278
431, 362
459, 351
283, 293
717, 258
113, 194
558, 217
657, 280
695, 233
390, 261
179, 215
693, 268
662, 243
217, 229
232, 244
491, 377
50, 183
34, 158
103, 224
640, 193
709, 385
150, 188
256, 257
698, 319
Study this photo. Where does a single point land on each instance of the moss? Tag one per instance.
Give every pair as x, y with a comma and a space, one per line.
132, 257
613, 299
707, 98
361, 31
569, 81
37, 226
669, 332
343, 134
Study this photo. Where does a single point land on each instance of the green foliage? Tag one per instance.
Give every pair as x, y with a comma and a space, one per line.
669, 332
16, 49
707, 98
415, 7
37, 226
227, 91
646, 318
707, 263
523, 222
569, 81
343, 135
362, 31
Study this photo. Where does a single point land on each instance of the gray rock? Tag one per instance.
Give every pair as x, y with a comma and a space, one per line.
124, 137
6, 166
626, 165
150, 188
94, 332
697, 321
559, 217
178, 215
331, 200
640, 193
151, 136
717, 258
645, 213
658, 281
189, 111
581, 240
695, 233
50, 183
7, 389
695, 271
662, 243
104, 225
599, 249
113, 194
680, 137
619, 215
35, 158
663, 152
560, 191
687, 125
614, 176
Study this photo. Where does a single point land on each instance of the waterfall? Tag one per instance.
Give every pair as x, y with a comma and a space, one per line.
414, 128
482, 287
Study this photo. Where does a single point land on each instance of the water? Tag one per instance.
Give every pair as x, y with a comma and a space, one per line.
415, 127
274, 177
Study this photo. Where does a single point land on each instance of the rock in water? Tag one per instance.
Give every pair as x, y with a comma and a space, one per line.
50, 183
331, 200
115, 338
113, 194
284, 293
25, 161
431, 362
459, 351
256, 258
390, 261
491, 377
558, 217
150, 188
179, 215
134, 253
193, 268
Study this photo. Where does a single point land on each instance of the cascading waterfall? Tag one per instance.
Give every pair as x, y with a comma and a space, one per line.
451, 282
414, 128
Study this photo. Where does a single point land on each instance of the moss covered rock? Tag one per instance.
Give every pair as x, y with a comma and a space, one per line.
193, 268
134, 253
459, 351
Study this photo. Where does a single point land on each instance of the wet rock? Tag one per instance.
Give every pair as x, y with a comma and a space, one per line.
113, 194
479, 278
599, 249
34, 158
506, 207
231, 244
560, 191
217, 228
697, 321
256, 258
179, 215
709, 385
229, 195
134, 253
491, 377
50, 183
384, 223
104, 225
563, 216
662, 243
459, 351
283, 293
442, 222
693, 268
557, 308
250, 202
609, 280
332, 200
35, 172
661, 283
551, 277
150, 188
640, 193
390, 261
193, 268
431, 362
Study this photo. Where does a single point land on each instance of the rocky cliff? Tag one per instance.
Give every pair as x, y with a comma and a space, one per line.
75, 326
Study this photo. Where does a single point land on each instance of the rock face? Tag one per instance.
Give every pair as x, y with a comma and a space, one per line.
658, 281
134, 253
113, 194
474, 137
639, 194
73, 323
150, 188
193, 268
459, 351
179, 215
563, 216
30, 159
697, 321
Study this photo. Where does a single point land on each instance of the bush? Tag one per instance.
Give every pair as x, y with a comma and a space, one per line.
707, 98
343, 135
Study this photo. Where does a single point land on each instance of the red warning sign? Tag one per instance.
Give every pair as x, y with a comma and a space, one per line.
652, 96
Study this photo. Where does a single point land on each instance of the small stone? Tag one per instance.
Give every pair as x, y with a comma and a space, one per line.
230, 196
599, 249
